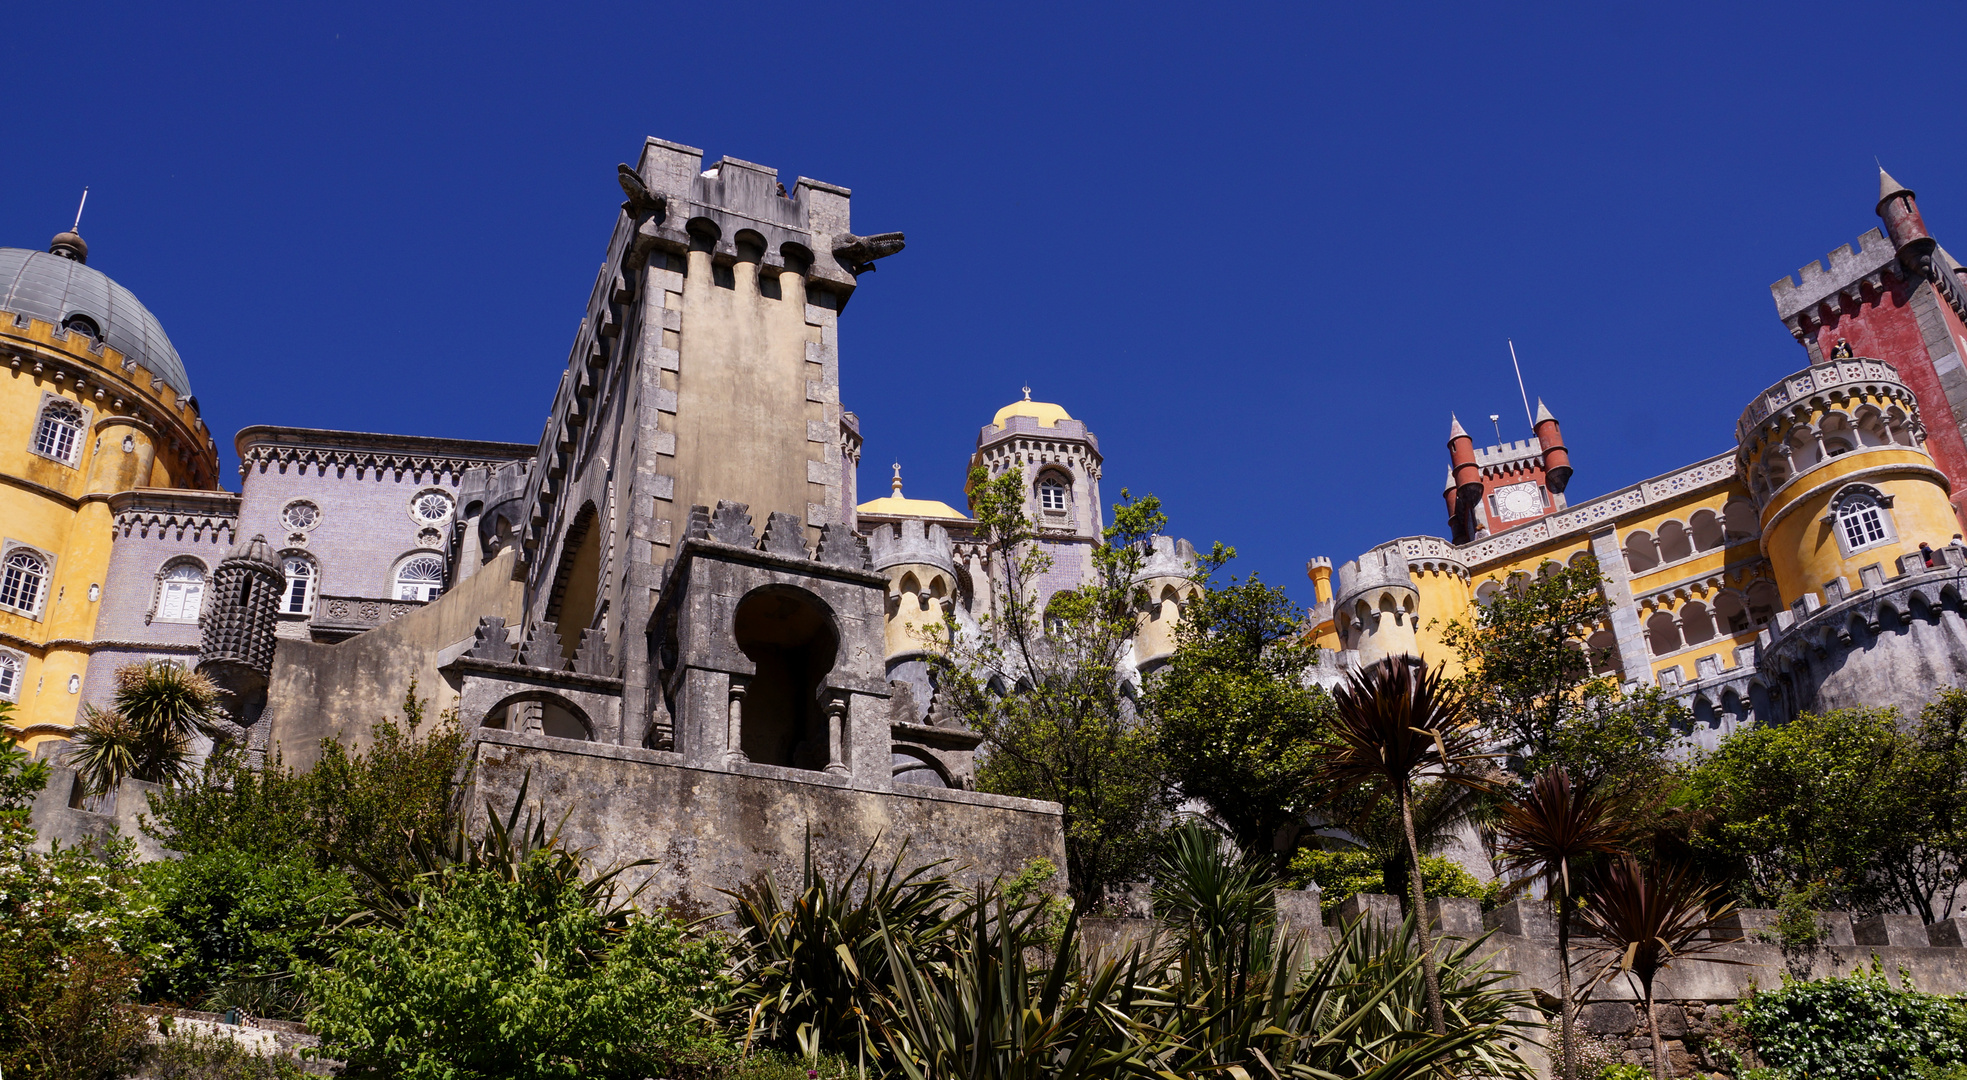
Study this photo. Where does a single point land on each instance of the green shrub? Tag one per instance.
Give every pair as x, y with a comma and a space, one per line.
517, 976
1624, 1071
1853, 1028
1341, 874
188, 1055
225, 916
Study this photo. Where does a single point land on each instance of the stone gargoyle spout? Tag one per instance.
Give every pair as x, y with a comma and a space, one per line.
857, 253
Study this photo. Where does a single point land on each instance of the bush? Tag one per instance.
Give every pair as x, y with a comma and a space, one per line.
62, 973
517, 977
187, 1055
224, 916
1853, 1028
1341, 874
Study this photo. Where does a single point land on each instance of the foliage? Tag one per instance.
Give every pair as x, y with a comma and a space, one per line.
1443, 814
1045, 685
516, 976
1623, 1071
21, 778
1340, 875
1396, 724
1797, 919
221, 916
1031, 885
146, 733
811, 966
1849, 799
1855, 1027
351, 807
61, 970
186, 1054
1237, 716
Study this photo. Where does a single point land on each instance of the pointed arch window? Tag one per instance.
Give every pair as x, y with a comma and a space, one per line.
298, 599
180, 592
58, 434
23, 581
421, 578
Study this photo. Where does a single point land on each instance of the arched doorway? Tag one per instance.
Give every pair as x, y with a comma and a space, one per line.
790, 636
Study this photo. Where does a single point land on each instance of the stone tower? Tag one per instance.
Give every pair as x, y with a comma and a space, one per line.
1376, 605
237, 628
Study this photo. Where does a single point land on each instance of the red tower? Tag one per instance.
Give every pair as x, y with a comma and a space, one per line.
1500, 487
1896, 297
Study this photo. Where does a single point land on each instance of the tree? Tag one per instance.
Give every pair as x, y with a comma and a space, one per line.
1237, 719
21, 778
1397, 723
1044, 683
1849, 799
1375, 830
1544, 832
147, 731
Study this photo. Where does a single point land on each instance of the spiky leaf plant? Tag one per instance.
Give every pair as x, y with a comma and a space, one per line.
146, 734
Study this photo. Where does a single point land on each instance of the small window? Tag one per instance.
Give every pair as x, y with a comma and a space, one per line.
82, 324
23, 577
59, 434
1862, 521
300, 515
431, 508
180, 594
1051, 495
299, 597
10, 676
421, 578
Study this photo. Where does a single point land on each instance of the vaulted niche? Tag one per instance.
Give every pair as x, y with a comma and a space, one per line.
790, 636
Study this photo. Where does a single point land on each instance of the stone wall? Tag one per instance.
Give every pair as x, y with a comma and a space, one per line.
60, 815
711, 830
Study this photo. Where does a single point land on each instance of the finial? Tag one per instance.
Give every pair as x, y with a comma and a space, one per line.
1455, 429
1496, 419
1027, 393
77, 227
897, 484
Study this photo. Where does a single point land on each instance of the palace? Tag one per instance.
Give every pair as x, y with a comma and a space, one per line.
1815, 562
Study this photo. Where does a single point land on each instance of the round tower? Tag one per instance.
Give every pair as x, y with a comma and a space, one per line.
236, 650
1835, 459
1165, 582
1464, 489
1377, 605
1903, 222
1557, 460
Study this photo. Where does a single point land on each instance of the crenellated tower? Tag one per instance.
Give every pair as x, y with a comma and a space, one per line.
1493, 488
1165, 585
1377, 605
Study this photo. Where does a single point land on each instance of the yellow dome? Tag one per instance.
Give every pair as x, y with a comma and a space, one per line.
898, 506
1047, 414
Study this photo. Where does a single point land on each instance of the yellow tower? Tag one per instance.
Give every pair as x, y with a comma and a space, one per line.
93, 401
1836, 461
1377, 606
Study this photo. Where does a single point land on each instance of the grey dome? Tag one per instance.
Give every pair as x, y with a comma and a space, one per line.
48, 287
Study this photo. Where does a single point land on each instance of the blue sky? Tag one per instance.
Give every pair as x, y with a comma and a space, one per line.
1262, 250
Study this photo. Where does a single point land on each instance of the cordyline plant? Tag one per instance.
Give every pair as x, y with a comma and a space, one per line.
146, 733
1646, 917
1540, 835
1397, 723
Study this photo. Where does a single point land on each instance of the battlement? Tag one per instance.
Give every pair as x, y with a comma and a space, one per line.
1509, 453
911, 541
1384, 567
1030, 426
1168, 557
1814, 283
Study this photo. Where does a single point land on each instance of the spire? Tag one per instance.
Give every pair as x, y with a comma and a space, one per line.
1455, 430
1888, 187
1543, 413
897, 484
69, 245
1027, 393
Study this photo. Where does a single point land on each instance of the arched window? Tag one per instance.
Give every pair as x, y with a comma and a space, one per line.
59, 434
23, 580
298, 599
82, 324
1052, 495
10, 677
1861, 522
421, 578
180, 591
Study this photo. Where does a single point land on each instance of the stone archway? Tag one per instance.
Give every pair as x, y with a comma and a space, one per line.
792, 639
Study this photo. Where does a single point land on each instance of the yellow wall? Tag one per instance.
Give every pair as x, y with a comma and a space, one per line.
1803, 547
62, 509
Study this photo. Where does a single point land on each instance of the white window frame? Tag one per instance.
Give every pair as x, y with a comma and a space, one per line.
288, 508
13, 673
1877, 502
8, 550
422, 590
1051, 480
169, 574
312, 578
80, 434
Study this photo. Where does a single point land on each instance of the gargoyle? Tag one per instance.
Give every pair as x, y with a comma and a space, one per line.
857, 253
640, 202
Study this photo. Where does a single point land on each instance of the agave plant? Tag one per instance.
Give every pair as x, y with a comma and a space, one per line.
1398, 723
812, 965
146, 734
1541, 835
1647, 917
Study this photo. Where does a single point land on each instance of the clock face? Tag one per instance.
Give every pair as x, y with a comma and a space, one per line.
1519, 501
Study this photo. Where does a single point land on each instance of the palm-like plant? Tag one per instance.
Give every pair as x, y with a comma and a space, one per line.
147, 731
1398, 723
1542, 834
1647, 917
1442, 812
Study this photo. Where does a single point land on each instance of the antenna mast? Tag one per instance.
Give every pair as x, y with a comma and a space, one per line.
77, 227
1519, 386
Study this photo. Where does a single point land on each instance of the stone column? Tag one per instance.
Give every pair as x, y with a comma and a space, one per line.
734, 739
836, 733
1617, 590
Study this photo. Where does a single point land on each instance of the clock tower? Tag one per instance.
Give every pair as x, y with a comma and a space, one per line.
1494, 488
